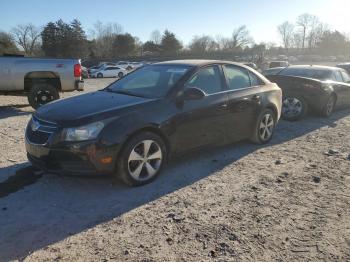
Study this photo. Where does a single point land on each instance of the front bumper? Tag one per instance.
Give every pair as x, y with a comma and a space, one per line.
84, 158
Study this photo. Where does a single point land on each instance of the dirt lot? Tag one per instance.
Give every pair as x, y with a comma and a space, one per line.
287, 201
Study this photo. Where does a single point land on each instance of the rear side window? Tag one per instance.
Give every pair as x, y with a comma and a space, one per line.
207, 79
237, 78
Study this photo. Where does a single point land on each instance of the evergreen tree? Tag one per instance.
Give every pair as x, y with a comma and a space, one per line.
170, 44
124, 45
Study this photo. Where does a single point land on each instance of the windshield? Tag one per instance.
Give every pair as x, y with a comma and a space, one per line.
320, 74
150, 81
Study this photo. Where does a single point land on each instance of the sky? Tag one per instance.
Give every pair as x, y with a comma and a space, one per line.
186, 18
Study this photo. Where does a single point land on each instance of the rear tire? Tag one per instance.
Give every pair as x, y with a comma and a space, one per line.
141, 159
41, 94
294, 108
264, 128
329, 106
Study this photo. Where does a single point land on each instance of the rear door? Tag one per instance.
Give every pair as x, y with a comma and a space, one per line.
244, 101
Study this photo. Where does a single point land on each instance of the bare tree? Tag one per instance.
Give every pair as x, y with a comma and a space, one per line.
241, 38
305, 21
286, 33
203, 44
156, 37
223, 42
104, 35
316, 32
27, 37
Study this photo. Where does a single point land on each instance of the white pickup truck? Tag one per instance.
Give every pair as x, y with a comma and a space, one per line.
40, 79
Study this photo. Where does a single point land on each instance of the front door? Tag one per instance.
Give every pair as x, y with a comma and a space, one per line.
202, 122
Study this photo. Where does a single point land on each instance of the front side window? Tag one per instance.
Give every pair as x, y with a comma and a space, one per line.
207, 79
237, 78
151, 81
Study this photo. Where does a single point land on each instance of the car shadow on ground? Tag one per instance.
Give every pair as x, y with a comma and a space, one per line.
14, 110
53, 207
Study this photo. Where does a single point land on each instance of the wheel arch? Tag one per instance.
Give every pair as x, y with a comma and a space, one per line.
50, 77
152, 129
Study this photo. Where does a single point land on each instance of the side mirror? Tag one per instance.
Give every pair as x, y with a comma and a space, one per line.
192, 93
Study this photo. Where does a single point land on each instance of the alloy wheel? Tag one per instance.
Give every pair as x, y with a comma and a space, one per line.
267, 124
292, 107
145, 160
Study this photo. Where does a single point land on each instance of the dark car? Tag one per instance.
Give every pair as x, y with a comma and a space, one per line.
272, 71
252, 65
345, 66
305, 87
133, 125
275, 64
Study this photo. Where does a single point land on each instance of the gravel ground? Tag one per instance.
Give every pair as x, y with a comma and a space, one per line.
287, 201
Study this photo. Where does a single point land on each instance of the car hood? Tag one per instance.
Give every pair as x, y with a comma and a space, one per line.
87, 108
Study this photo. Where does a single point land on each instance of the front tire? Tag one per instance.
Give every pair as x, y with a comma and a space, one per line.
264, 127
120, 74
99, 75
41, 94
141, 159
294, 108
329, 106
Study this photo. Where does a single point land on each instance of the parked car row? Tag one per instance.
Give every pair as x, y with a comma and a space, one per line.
130, 128
110, 69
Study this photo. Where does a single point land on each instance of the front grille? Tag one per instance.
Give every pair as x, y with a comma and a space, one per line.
39, 131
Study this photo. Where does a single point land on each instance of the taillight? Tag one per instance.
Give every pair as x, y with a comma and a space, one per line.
77, 70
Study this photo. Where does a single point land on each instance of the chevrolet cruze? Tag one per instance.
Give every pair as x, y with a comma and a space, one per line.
132, 126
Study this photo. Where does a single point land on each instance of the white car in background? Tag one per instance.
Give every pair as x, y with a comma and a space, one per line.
137, 64
110, 71
126, 65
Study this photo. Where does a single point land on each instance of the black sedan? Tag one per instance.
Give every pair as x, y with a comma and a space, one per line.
305, 87
132, 126
345, 66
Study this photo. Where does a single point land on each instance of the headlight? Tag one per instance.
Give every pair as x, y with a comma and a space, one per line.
82, 133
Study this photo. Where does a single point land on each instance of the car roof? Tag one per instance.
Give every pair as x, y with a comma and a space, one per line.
198, 62
274, 68
316, 67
